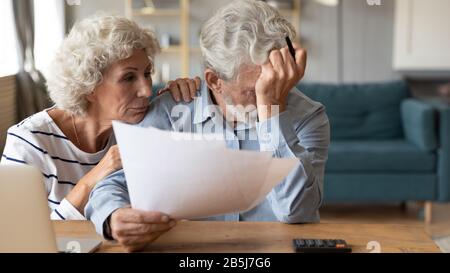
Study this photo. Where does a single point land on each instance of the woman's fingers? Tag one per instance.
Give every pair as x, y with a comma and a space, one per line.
184, 89
172, 87
162, 91
198, 83
192, 88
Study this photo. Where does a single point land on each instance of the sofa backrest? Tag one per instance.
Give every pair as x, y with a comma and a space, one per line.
361, 111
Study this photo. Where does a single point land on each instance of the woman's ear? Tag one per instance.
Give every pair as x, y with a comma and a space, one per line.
91, 97
213, 81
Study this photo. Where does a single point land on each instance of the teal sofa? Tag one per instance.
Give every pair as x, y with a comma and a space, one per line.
385, 145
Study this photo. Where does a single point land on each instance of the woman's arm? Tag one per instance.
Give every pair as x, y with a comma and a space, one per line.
23, 148
110, 163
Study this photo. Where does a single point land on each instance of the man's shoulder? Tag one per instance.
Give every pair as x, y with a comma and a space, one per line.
302, 107
161, 110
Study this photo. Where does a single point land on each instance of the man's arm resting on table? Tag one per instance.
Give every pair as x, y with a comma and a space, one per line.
108, 196
298, 198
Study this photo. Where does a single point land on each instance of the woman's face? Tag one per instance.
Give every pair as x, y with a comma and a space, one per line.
123, 94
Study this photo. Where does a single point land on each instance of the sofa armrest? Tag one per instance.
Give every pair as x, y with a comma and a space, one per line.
443, 151
419, 124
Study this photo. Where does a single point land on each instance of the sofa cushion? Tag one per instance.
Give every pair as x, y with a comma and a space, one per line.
379, 156
361, 111
379, 187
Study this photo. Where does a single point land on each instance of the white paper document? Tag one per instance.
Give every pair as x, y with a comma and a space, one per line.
189, 176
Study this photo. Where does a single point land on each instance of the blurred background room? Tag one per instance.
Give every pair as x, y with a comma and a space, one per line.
381, 68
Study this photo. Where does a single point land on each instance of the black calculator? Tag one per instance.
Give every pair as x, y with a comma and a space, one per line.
321, 246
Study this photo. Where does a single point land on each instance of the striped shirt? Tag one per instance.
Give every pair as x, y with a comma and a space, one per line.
38, 141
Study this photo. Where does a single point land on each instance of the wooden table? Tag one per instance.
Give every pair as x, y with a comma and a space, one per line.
211, 237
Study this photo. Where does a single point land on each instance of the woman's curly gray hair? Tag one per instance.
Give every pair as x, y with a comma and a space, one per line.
91, 46
242, 32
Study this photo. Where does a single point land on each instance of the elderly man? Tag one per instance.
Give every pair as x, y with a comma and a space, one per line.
249, 95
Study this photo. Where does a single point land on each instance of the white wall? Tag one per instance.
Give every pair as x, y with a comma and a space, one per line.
360, 51
349, 43
90, 7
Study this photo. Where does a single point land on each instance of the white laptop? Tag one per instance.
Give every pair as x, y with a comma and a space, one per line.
25, 224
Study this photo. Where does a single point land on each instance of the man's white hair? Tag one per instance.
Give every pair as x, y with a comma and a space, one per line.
242, 32
91, 46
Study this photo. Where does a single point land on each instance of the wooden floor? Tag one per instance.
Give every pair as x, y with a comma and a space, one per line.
395, 214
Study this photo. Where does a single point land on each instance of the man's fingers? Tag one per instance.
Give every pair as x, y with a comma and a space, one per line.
132, 229
290, 66
149, 217
300, 54
276, 59
297, 46
287, 56
133, 243
137, 243
300, 60
267, 72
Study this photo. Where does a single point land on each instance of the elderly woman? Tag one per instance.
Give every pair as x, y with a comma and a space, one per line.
101, 73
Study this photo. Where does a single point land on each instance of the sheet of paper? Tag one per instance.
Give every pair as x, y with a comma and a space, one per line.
189, 176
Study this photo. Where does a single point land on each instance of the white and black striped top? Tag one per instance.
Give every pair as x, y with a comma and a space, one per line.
38, 141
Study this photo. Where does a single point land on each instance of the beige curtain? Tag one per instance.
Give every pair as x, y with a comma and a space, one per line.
31, 90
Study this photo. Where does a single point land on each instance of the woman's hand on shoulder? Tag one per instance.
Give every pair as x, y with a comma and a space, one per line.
182, 89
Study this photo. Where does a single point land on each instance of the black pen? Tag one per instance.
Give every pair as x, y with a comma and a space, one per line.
291, 47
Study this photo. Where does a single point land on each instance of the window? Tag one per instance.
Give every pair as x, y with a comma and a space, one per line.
9, 63
49, 33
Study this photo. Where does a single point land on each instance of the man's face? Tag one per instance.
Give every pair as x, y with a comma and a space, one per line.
241, 91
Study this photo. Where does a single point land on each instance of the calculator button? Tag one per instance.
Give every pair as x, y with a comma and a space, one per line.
301, 243
310, 243
330, 243
320, 243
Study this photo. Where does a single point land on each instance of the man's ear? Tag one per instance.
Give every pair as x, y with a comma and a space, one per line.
213, 81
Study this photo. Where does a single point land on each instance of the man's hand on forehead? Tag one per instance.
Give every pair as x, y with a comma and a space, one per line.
278, 76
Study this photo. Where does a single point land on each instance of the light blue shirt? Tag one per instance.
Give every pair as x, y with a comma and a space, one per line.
302, 132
